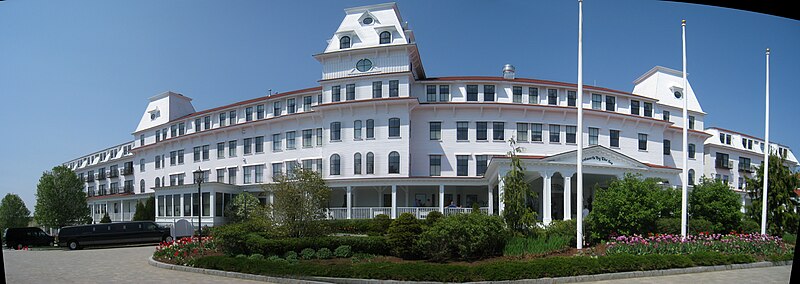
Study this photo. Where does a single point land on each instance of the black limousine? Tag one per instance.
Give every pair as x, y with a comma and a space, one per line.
75, 237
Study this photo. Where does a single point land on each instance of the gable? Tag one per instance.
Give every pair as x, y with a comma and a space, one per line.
598, 156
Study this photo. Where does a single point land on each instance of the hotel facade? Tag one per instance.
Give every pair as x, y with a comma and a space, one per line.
388, 139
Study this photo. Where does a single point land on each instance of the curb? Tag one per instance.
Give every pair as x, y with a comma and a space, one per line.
568, 279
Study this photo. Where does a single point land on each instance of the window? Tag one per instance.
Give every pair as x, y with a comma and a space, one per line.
552, 96
220, 175
307, 138
594, 134
222, 119
336, 131
370, 128
691, 177
335, 165
260, 144
319, 136
394, 88
522, 132
336, 93
377, 89
350, 92
611, 103
247, 174
430, 91
444, 93
555, 133
481, 129
394, 127
364, 65
571, 130
435, 130
648, 109
462, 131
533, 95
173, 131
276, 108
634, 107
260, 111
232, 148
344, 42
498, 131
307, 103
291, 106
141, 165
385, 37
220, 150
259, 173
290, 140
597, 101
248, 146
665, 115
187, 204
472, 93
667, 147
691, 151
571, 98
277, 170
357, 164
435, 165
744, 164
488, 93
205, 152
370, 163
181, 128
536, 132
276, 142
357, 130
197, 122
232, 175
722, 161
462, 165
691, 122
173, 158
642, 141
158, 135
232, 117
481, 164
248, 114
394, 162
614, 138
141, 140
516, 96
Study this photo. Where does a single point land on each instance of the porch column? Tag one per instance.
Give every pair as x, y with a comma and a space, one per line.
547, 210
491, 199
568, 197
441, 198
407, 189
349, 202
500, 195
394, 201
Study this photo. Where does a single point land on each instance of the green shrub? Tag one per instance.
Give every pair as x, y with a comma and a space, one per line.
343, 252
105, 219
749, 226
519, 246
257, 256
275, 258
670, 226
698, 225
307, 253
381, 224
563, 229
371, 245
355, 226
463, 236
241, 256
290, 256
243, 238
324, 253
713, 201
433, 217
789, 238
402, 235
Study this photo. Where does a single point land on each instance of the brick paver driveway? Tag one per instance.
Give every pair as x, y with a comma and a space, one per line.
107, 265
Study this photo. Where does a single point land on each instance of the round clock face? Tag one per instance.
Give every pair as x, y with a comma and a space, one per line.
364, 65
678, 94
367, 21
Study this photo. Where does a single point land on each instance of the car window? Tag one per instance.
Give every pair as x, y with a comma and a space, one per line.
151, 227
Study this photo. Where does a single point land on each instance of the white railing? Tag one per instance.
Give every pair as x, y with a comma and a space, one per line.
370, 212
337, 213
418, 212
452, 211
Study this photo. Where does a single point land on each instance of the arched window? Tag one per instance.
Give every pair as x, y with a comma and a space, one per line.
370, 163
158, 182
335, 165
357, 130
357, 164
386, 37
394, 163
141, 186
344, 42
370, 128
394, 127
691, 177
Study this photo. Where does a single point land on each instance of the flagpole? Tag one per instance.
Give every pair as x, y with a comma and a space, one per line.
685, 154
579, 241
766, 158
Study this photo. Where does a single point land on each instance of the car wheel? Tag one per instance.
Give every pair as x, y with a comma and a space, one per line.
168, 239
72, 245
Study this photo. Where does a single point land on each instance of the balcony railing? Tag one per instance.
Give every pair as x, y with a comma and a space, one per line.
128, 188
746, 168
113, 173
418, 212
127, 171
723, 164
101, 175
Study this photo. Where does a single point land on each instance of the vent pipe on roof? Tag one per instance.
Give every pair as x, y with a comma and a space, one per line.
509, 72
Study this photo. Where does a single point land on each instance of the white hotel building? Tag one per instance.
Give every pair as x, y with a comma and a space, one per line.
388, 139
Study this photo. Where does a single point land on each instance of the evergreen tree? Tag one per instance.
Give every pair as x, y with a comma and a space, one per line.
516, 192
140, 214
106, 219
780, 197
60, 200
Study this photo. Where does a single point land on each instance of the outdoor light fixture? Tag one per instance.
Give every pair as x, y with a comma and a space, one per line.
198, 179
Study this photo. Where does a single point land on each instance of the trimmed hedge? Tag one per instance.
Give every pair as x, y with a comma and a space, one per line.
492, 271
371, 245
357, 226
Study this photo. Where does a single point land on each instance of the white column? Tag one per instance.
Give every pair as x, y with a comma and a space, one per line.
441, 198
349, 202
547, 210
500, 192
394, 201
568, 197
211, 206
491, 199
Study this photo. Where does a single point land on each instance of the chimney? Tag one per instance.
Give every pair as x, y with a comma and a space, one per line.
509, 72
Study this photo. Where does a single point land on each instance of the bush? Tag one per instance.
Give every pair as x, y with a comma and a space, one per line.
433, 217
464, 236
564, 229
402, 235
381, 223
324, 253
343, 252
670, 226
105, 219
290, 254
257, 256
699, 225
749, 226
371, 245
519, 246
241, 256
275, 258
355, 226
243, 238
713, 201
307, 253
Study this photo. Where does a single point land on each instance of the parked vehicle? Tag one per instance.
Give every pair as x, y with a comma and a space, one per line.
76, 237
24, 237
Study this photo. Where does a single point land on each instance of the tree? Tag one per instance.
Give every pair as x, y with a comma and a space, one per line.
140, 214
519, 217
244, 207
780, 197
106, 219
13, 213
301, 199
402, 234
60, 200
146, 211
713, 201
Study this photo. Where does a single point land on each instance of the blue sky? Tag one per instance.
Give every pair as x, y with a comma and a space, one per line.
75, 75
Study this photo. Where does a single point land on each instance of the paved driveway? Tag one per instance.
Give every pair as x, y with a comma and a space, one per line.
764, 275
108, 265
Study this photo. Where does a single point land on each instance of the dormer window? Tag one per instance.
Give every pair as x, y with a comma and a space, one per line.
344, 42
367, 21
386, 37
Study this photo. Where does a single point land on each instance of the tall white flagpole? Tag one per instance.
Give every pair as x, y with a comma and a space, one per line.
579, 244
766, 159
685, 154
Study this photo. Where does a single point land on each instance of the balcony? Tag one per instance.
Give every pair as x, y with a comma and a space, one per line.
101, 175
127, 171
128, 188
747, 168
90, 178
723, 164
113, 173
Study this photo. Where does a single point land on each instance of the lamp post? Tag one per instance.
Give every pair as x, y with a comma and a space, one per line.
198, 179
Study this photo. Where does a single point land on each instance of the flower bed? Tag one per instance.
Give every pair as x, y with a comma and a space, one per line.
751, 244
183, 250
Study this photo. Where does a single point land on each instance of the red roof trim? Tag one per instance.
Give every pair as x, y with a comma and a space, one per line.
250, 101
747, 135
533, 81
